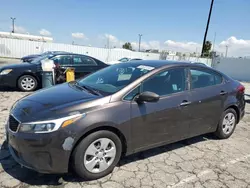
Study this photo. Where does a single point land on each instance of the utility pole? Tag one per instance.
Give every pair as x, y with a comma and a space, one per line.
214, 41
140, 35
208, 21
13, 24
108, 42
226, 50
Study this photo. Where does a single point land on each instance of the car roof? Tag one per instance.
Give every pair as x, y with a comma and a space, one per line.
158, 63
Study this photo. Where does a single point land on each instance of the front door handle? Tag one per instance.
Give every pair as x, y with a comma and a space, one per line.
223, 93
185, 103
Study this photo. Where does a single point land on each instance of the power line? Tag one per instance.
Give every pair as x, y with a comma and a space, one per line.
208, 21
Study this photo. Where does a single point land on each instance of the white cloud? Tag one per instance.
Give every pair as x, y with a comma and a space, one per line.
79, 35
44, 32
19, 29
182, 46
112, 38
236, 47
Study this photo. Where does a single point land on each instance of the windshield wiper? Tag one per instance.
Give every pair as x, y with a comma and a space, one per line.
87, 88
91, 90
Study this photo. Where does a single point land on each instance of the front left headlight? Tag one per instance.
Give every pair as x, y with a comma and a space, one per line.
5, 71
49, 126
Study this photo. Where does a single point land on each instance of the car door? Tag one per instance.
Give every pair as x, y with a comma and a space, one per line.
164, 121
83, 65
207, 95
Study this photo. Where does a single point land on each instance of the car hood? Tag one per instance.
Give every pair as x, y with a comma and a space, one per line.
51, 103
19, 65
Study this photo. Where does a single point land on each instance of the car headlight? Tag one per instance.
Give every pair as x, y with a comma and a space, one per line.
50, 125
5, 71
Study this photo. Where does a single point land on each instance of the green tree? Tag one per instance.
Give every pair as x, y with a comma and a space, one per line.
207, 49
127, 46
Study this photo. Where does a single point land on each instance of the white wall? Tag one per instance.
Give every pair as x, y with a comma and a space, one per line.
15, 48
236, 68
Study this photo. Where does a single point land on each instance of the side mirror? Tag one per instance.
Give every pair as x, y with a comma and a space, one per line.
147, 96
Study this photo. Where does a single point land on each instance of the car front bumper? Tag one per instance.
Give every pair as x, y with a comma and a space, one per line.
43, 153
7, 80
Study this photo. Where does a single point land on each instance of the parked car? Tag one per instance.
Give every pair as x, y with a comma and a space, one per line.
27, 76
112, 113
122, 60
30, 58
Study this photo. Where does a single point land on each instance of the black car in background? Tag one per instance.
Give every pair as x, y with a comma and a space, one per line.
120, 110
27, 76
30, 58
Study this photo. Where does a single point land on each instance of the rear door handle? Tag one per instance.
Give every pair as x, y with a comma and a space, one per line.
185, 103
223, 93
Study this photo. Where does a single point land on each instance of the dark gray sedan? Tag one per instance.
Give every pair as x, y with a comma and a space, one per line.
119, 110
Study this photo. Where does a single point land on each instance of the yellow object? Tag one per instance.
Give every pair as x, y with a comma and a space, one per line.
70, 74
70, 121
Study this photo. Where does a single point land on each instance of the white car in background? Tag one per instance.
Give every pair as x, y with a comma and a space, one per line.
123, 60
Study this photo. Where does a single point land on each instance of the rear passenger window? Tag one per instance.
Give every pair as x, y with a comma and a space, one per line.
83, 61
204, 78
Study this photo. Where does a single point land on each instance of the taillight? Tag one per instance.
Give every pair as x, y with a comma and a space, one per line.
241, 89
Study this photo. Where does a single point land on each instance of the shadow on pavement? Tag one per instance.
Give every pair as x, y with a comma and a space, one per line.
7, 89
33, 178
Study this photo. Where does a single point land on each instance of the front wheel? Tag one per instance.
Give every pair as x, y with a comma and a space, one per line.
27, 83
227, 124
97, 155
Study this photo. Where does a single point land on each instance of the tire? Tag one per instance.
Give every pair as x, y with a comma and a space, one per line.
89, 166
225, 130
27, 83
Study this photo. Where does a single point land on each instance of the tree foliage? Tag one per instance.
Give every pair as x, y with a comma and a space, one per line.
207, 49
127, 46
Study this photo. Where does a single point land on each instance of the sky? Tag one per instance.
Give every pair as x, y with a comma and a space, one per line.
177, 25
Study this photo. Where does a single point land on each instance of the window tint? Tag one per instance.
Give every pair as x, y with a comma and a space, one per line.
132, 94
62, 59
167, 82
204, 78
83, 61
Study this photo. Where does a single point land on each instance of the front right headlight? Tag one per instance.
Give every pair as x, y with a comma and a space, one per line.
50, 125
5, 71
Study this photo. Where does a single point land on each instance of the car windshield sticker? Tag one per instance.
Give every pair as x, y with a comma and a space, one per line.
145, 67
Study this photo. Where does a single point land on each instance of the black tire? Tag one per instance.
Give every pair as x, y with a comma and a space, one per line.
219, 132
22, 78
79, 154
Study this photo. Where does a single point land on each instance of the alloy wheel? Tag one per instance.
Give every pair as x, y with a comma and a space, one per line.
99, 155
228, 123
28, 83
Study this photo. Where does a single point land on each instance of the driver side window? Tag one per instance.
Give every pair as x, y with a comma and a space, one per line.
132, 94
167, 82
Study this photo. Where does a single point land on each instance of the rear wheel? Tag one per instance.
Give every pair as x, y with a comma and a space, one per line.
27, 83
227, 124
97, 155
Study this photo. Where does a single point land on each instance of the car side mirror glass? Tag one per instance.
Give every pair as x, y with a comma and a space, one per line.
147, 96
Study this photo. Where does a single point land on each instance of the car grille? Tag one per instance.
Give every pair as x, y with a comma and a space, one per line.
13, 123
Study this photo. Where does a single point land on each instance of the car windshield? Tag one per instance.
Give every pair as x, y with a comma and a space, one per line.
113, 78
